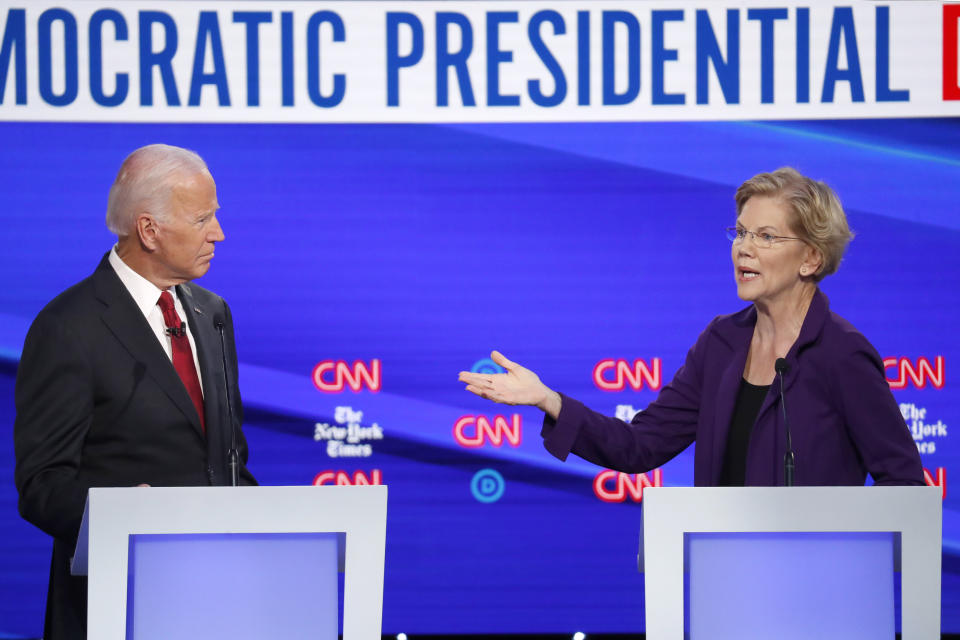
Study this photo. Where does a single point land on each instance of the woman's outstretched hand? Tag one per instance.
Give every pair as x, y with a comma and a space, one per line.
518, 385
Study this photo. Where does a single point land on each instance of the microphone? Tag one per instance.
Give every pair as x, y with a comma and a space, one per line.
781, 366
177, 332
233, 455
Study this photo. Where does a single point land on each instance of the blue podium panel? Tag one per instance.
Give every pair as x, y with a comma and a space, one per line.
790, 585
233, 586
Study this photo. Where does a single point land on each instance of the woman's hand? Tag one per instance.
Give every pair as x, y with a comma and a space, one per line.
518, 385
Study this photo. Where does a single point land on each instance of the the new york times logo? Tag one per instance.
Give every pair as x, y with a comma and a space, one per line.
345, 439
922, 427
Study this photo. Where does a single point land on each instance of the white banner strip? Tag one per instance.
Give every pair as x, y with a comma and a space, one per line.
476, 61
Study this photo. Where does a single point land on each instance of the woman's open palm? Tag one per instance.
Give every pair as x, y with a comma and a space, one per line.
518, 385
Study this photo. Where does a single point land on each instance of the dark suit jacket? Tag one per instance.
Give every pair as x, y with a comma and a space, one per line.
844, 421
99, 404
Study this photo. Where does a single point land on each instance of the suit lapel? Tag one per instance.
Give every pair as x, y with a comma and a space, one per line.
726, 399
207, 341
124, 319
737, 339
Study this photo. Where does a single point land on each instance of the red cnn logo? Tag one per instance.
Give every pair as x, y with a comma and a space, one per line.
624, 373
623, 485
343, 479
918, 374
331, 376
941, 480
482, 431
951, 52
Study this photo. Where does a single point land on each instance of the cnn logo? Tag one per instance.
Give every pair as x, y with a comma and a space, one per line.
919, 374
475, 431
333, 376
343, 479
618, 374
616, 486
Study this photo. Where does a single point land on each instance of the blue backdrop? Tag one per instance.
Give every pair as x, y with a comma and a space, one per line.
426, 246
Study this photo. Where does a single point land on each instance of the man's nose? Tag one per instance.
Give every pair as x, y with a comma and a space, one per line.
216, 231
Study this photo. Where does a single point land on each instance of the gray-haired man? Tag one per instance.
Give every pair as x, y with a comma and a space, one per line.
121, 382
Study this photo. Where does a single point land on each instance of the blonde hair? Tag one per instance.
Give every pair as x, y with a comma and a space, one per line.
815, 212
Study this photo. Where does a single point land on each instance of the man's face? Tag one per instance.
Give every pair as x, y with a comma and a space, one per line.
185, 241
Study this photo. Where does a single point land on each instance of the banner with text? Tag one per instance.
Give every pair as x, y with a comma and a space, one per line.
476, 61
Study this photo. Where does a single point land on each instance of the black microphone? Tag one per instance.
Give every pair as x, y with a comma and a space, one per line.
781, 368
233, 455
177, 332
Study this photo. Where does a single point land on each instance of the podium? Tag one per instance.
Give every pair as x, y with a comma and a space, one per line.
233, 562
797, 562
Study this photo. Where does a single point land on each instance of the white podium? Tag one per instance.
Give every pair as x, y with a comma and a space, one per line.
797, 562
233, 562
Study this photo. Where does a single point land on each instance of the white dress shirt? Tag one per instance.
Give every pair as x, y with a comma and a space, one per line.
146, 295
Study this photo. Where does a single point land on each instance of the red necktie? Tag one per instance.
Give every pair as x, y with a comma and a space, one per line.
182, 354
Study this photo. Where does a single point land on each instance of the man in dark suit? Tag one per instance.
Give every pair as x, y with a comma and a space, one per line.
121, 382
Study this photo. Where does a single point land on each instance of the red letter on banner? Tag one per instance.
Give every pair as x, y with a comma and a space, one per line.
951, 84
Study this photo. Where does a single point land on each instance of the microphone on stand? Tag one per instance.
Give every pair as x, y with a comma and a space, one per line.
781, 368
233, 454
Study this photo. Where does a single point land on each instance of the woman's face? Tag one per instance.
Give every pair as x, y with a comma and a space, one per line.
775, 273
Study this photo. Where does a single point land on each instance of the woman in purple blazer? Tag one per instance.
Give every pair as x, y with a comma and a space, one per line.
790, 233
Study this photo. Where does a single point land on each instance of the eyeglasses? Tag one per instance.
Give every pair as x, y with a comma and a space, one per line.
765, 240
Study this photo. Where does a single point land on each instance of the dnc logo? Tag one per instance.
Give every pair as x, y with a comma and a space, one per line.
486, 365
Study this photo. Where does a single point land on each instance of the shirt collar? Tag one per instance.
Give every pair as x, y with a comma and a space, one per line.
145, 293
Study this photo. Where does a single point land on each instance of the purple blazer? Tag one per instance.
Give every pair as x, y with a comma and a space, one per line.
844, 420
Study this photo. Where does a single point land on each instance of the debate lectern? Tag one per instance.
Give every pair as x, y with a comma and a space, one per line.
791, 562
233, 563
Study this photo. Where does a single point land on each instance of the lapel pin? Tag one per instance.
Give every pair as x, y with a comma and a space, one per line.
197, 309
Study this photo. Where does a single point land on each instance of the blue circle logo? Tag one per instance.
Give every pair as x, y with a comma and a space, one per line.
487, 485
486, 365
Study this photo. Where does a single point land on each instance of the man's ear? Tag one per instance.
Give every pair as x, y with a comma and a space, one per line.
147, 231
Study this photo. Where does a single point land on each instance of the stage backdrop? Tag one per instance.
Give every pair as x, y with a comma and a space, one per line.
406, 186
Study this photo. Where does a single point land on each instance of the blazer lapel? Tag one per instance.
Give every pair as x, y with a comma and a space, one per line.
207, 340
738, 340
124, 319
726, 398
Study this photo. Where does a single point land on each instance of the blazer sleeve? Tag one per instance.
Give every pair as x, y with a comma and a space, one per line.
654, 436
54, 405
873, 417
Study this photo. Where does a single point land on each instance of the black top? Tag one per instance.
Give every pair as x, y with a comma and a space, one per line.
749, 400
